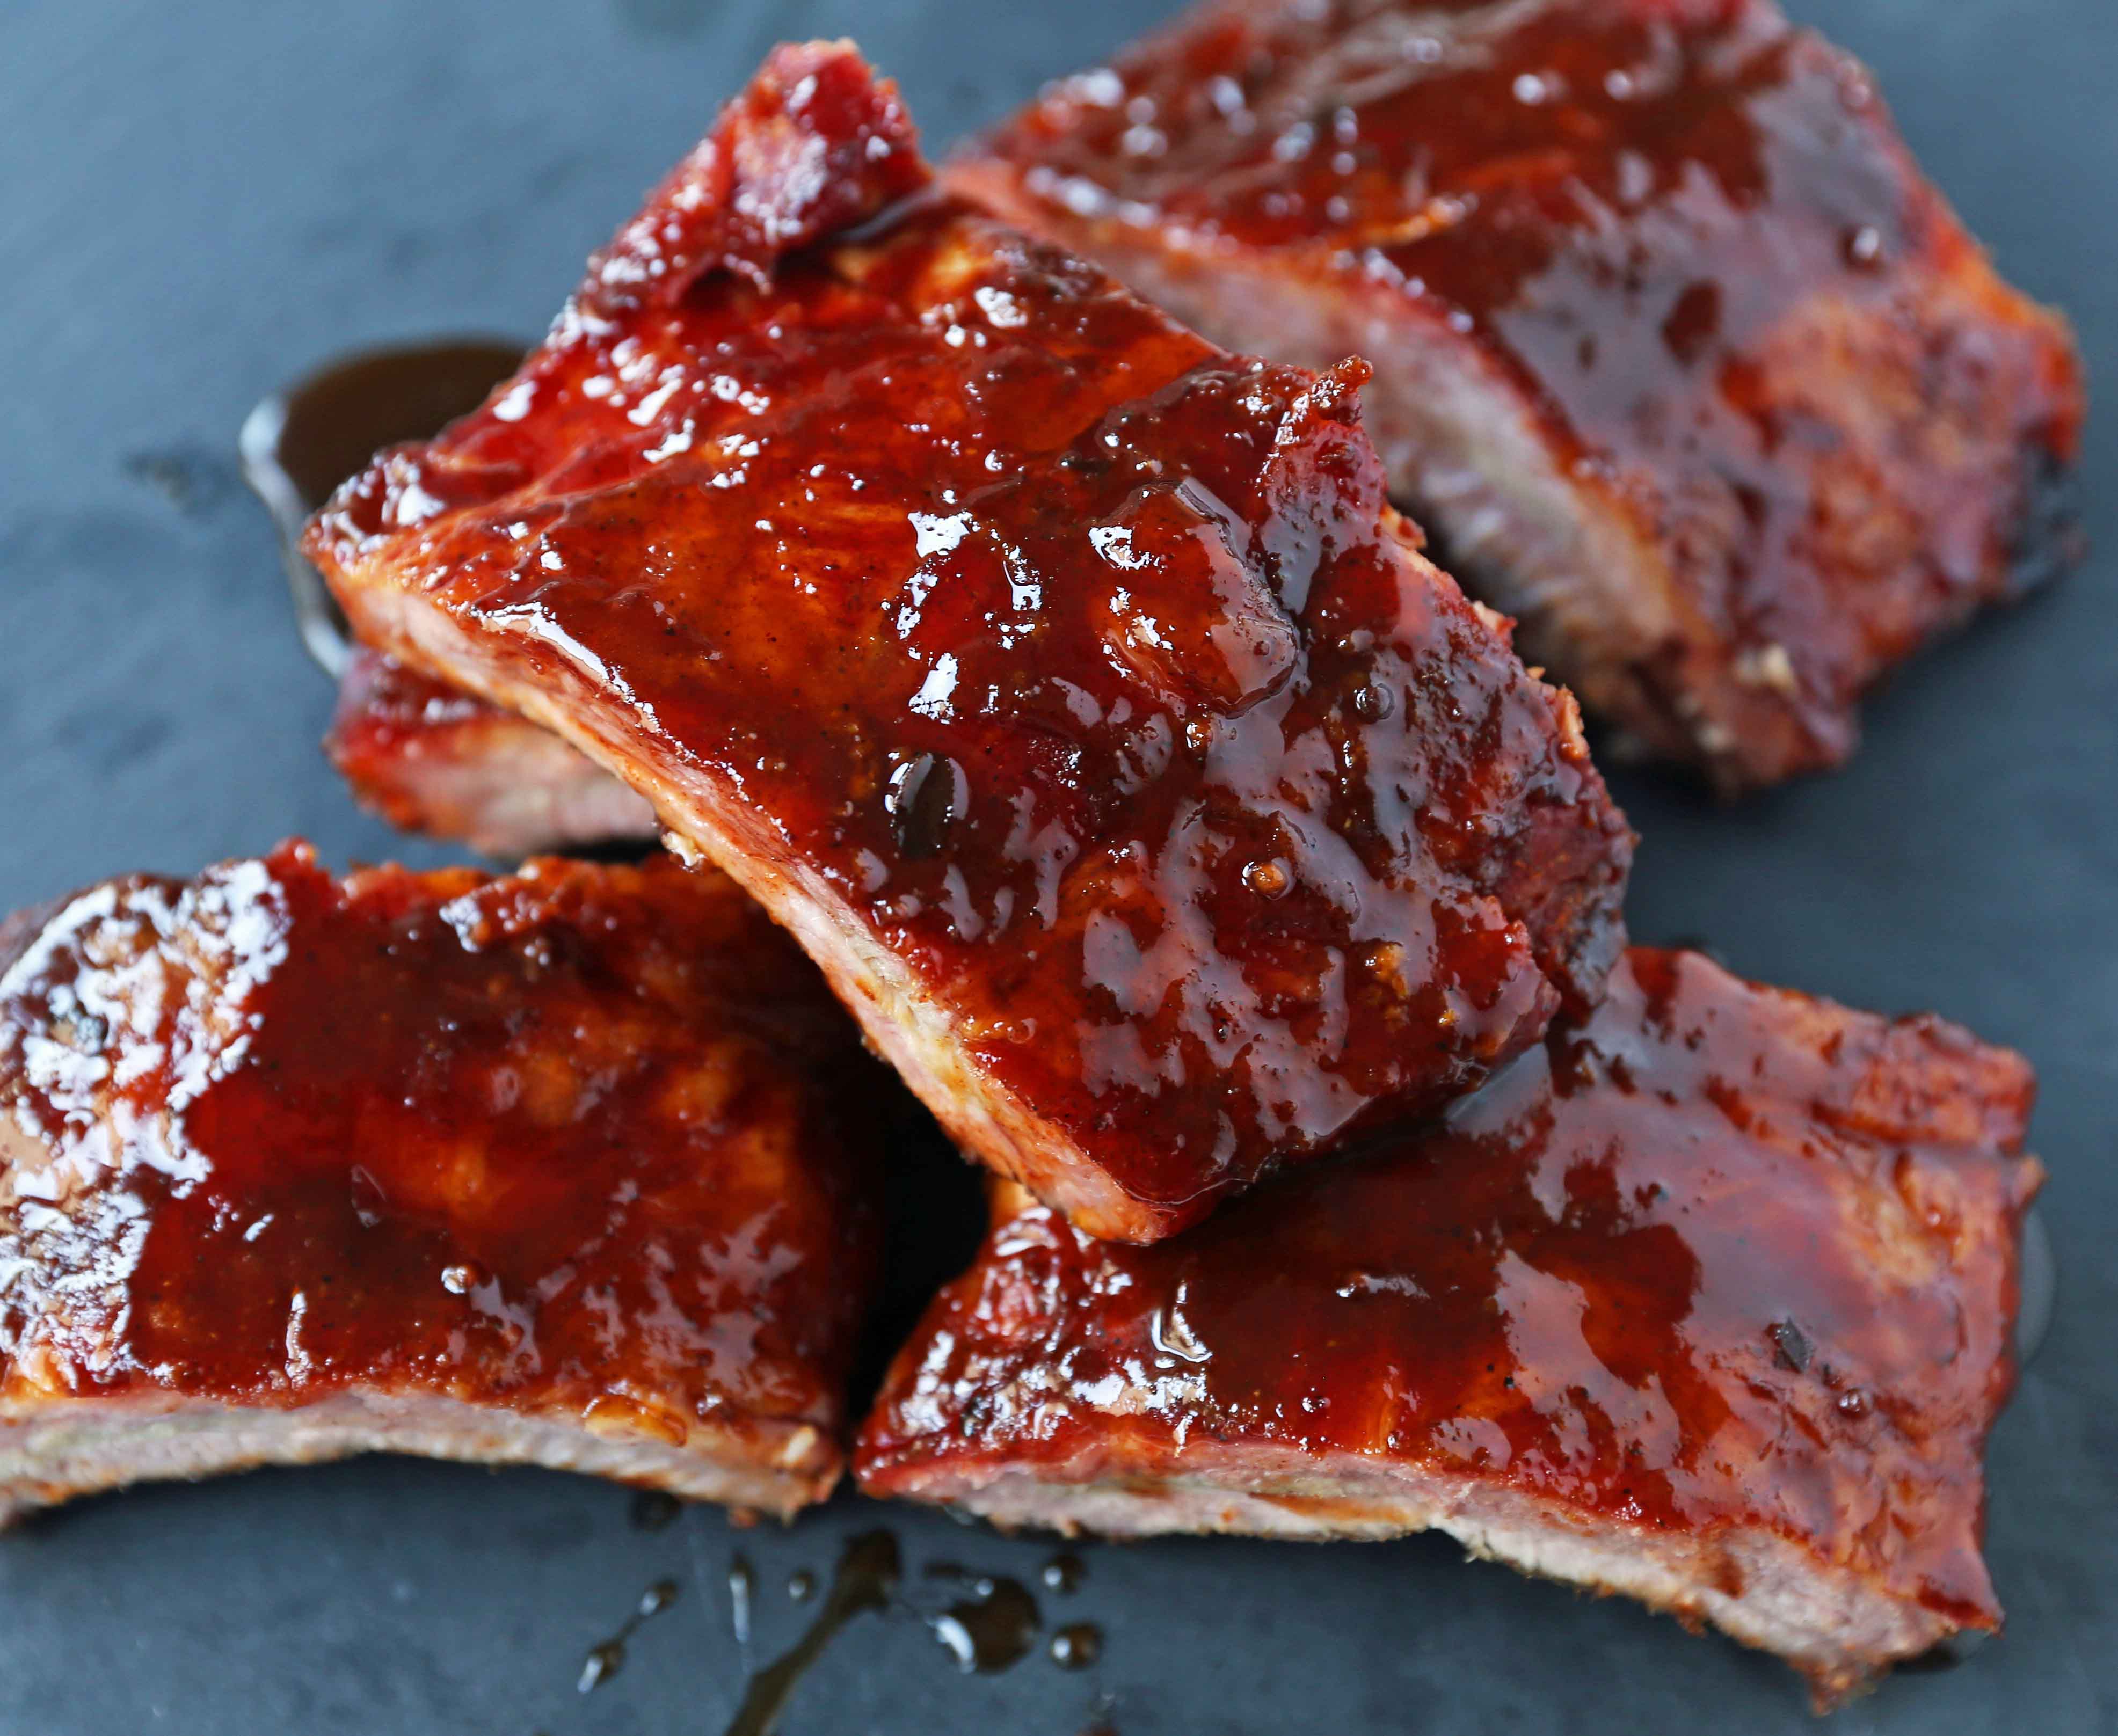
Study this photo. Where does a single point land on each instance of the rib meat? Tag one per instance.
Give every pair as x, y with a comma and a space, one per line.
567, 1168
1708, 1302
1678, 355
430, 758
1064, 684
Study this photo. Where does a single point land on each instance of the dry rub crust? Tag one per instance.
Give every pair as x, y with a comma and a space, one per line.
570, 1168
1064, 685
1677, 353
1709, 1302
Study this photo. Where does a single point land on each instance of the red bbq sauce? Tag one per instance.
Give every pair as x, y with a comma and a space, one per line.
1720, 1255
576, 1138
1085, 662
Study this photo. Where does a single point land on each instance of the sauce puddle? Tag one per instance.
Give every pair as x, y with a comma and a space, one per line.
303, 441
991, 1629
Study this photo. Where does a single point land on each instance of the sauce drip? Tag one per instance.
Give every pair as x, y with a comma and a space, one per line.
992, 1629
866, 1580
605, 1660
303, 441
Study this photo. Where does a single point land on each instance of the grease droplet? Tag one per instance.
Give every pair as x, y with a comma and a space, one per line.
927, 795
1268, 879
1374, 701
992, 1629
1864, 246
1078, 1646
602, 1662
1065, 1573
742, 1582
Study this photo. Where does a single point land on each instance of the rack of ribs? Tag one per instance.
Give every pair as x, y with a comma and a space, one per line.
1707, 1301
1064, 684
567, 1168
430, 758
1677, 353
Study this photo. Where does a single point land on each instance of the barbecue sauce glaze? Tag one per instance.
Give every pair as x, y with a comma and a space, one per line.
1687, 233
1720, 1255
1083, 661
574, 1139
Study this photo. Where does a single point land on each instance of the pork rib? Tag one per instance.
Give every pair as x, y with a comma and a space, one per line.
1707, 1302
1064, 684
1678, 355
430, 758
561, 1169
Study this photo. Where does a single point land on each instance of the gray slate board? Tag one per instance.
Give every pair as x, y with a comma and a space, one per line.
198, 201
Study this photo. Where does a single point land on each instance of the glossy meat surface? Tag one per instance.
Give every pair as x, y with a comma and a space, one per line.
1065, 685
1678, 353
1709, 1301
570, 1165
430, 758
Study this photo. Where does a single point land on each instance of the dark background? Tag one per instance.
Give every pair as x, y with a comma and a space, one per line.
199, 200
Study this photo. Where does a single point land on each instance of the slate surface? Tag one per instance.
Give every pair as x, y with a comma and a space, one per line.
198, 201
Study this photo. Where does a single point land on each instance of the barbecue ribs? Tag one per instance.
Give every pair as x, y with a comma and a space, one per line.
1678, 355
566, 1168
1065, 684
429, 758
1707, 1302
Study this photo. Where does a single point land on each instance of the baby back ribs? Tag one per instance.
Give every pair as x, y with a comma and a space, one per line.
1065, 685
1677, 352
558, 1169
1707, 1301
430, 758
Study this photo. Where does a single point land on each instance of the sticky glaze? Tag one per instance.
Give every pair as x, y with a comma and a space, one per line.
569, 1141
1724, 1255
1689, 236
1039, 636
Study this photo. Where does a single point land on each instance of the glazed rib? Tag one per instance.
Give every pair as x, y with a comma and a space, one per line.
1064, 685
1707, 1302
1679, 356
429, 758
567, 1168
